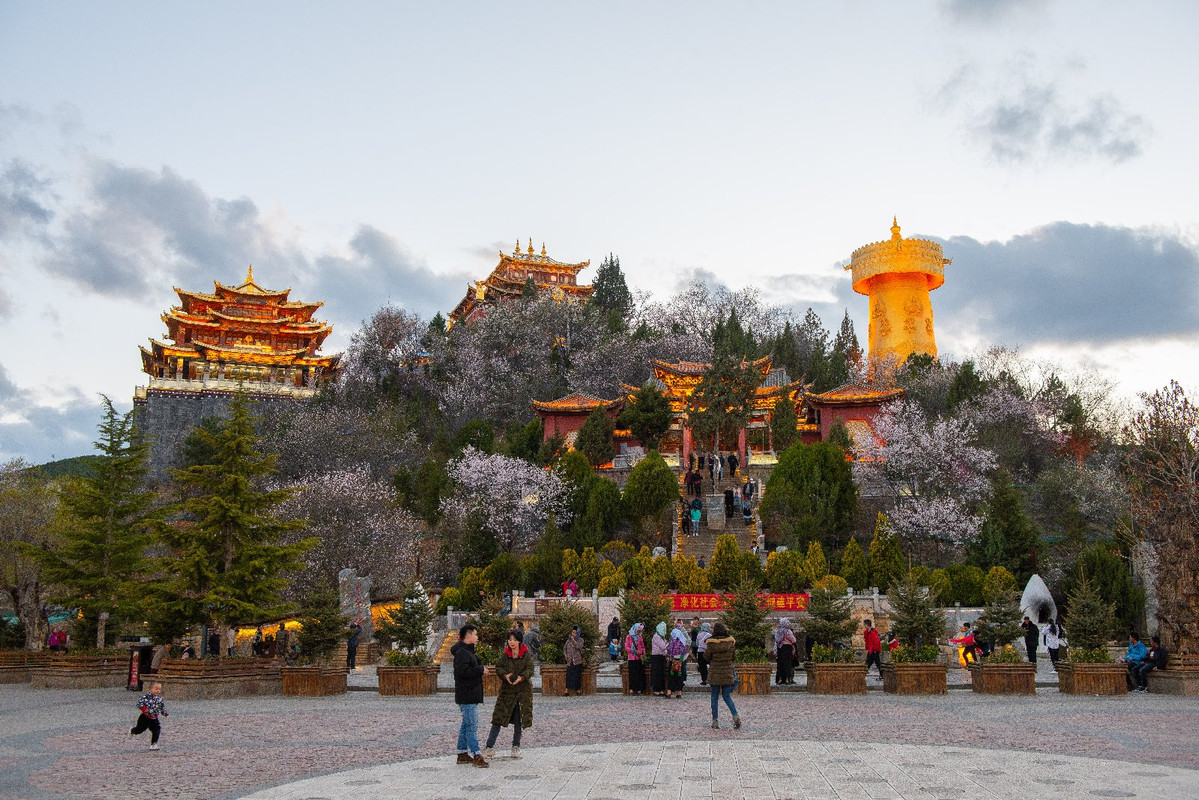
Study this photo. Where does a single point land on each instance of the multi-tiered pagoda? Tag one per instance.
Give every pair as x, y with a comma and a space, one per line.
243, 336
238, 338
512, 274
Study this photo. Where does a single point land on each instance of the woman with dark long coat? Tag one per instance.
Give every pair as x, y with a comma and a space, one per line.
657, 661
515, 703
573, 650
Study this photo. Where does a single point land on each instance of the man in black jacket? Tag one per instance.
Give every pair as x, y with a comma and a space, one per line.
1158, 657
1032, 636
468, 694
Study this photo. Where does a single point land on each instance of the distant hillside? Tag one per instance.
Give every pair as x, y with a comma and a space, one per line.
80, 466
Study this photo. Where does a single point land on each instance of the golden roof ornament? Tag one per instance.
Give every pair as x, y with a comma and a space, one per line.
250, 274
543, 248
530, 245
516, 250
895, 229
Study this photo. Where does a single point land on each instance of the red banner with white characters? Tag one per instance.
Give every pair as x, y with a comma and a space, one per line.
716, 602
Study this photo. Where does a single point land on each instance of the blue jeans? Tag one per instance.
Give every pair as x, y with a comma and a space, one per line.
468, 731
725, 692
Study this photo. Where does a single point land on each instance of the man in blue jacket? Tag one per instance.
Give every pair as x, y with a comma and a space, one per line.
1133, 658
468, 694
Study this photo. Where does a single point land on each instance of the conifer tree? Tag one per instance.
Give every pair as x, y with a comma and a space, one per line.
647, 416
829, 618
724, 570
228, 564
1000, 621
1089, 620
815, 564
886, 557
611, 294
916, 618
103, 529
783, 424
595, 440
855, 569
323, 626
745, 617
810, 496
650, 490
409, 624
1007, 537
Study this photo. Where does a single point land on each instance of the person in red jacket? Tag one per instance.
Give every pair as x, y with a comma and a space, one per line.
874, 647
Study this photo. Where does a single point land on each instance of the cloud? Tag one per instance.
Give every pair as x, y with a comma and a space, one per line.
1069, 284
39, 432
24, 200
990, 12
1020, 117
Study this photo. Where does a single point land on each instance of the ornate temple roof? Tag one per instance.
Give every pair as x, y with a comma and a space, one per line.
855, 394
507, 281
577, 403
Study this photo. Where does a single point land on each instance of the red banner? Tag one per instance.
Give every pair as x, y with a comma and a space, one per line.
716, 602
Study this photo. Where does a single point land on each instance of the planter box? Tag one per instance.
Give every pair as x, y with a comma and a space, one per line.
1102, 679
835, 678
1180, 677
403, 680
624, 676
553, 679
433, 671
80, 672
754, 678
491, 682
915, 678
15, 664
1004, 678
313, 681
218, 678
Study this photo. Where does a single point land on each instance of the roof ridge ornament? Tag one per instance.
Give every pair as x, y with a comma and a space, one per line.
530, 245
250, 274
895, 229
543, 248
516, 250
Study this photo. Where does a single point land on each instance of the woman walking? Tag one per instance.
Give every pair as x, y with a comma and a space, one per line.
701, 648
1053, 641
722, 679
515, 704
634, 648
657, 661
676, 655
573, 649
784, 653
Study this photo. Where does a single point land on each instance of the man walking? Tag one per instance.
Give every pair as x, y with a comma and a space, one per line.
874, 647
468, 694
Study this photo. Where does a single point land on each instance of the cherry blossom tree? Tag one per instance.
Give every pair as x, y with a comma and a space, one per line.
510, 496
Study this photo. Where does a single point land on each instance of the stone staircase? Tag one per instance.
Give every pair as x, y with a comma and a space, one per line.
443, 653
703, 544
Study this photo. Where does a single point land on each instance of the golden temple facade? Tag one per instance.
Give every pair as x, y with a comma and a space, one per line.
243, 337
898, 275
507, 281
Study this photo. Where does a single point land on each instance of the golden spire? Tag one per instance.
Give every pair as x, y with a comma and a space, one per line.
530, 245
543, 248
250, 274
895, 228
516, 250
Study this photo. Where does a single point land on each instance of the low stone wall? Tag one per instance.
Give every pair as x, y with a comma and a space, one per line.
15, 664
80, 672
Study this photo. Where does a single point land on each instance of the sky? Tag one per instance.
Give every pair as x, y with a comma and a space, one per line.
366, 153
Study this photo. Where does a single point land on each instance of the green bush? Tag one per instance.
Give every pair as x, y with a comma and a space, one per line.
551, 654
557, 624
647, 606
832, 655
906, 654
753, 655
485, 654
1004, 655
1094, 655
451, 596
400, 658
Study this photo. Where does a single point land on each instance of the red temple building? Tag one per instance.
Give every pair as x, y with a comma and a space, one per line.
507, 281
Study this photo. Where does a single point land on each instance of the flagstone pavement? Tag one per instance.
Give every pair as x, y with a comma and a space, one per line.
75, 744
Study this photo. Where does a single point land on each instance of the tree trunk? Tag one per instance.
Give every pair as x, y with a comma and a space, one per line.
27, 598
101, 629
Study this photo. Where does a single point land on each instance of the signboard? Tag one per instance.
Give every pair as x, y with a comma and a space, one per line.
716, 602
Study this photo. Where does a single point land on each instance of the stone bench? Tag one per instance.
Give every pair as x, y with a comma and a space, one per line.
216, 678
1180, 677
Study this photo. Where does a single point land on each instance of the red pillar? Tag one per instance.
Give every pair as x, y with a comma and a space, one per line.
741, 451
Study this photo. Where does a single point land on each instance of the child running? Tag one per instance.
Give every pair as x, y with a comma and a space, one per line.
152, 707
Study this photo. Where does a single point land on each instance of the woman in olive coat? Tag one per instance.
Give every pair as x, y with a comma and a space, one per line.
722, 676
515, 703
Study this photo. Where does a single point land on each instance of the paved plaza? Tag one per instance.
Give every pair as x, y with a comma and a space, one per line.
75, 744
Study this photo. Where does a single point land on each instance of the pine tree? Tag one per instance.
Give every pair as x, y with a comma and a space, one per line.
724, 570
829, 618
810, 496
916, 617
611, 293
855, 569
409, 624
845, 343
745, 617
323, 626
103, 530
783, 424
886, 557
650, 490
815, 564
595, 440
1090, 620
1000, 621
647, 605
1007, 537
229, 564
546, 565
647, 416
719, 406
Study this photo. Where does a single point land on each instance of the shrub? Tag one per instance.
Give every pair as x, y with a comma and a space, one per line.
1090, 620
551, 654
998, 583
1096, 655
832, 583
646, 606
916, 619
324, 626
822, 654
854, 566
829, 618
724, 570
1005, 655
451, 596
493, 626
400, 658
409, 623
485, 654
784, 571
907, 654
753, 655
745, 617
965, 585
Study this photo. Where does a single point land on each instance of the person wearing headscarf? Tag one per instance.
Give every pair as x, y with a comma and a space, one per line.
677, 651
657, 661
573, 651
701, 651
634, 648
784, 653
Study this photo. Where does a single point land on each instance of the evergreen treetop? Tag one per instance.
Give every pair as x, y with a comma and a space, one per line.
916, 619
829, 618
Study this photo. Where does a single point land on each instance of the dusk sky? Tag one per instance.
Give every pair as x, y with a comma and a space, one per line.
365, 153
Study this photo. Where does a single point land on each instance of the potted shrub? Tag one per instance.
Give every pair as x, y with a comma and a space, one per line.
405, 630
493, 636
1089, 669
745, 617
323, 629
555, 629
649, 606
917, 622
833, 668
1004, 670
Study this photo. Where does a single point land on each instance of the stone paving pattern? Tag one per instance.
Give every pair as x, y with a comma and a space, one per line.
75, 744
